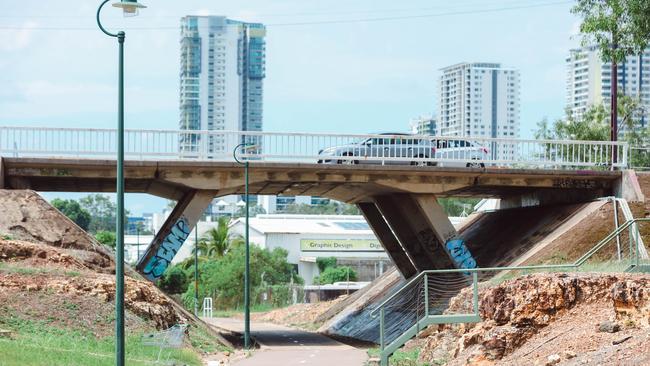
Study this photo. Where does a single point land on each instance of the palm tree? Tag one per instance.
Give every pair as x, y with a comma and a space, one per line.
216, 241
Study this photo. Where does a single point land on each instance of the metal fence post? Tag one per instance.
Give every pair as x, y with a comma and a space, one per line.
381, 329
636, 246
475, 291
426, 295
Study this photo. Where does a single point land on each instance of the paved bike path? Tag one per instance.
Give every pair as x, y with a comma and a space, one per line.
288, 346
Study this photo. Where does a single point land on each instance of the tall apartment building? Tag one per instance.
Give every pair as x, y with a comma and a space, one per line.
589, 80
424, 125
279, 204
221, 79
480, 99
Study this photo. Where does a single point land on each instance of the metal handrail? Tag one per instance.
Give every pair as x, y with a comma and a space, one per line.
580, 261
359, 135
312, 147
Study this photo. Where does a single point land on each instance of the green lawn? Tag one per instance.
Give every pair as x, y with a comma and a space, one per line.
35, 343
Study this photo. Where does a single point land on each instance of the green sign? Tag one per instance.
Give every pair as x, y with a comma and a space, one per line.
340, 245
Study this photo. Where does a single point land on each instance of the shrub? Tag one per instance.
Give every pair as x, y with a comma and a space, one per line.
174, 280
337, 274
106, 237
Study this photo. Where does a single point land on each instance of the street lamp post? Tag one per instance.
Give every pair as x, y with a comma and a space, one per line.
247, 305
129, 8
196, 271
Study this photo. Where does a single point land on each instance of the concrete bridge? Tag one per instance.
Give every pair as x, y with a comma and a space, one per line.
394, 179
399, 202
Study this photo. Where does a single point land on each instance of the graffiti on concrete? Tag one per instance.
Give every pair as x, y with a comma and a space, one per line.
459, 254
167, 249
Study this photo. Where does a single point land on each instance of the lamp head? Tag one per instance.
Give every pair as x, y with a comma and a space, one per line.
130, 8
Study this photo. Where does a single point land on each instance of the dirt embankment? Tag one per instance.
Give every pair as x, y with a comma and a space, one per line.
40, 282
549, 319
53, 273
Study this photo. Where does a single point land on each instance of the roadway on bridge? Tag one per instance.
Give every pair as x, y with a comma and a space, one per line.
288, 346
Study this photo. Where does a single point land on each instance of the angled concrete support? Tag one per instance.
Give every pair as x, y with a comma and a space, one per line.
436, 216
414, 231
387, 238
423, 231
173, 233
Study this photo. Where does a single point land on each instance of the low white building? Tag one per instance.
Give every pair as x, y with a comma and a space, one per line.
348, 238
307, 237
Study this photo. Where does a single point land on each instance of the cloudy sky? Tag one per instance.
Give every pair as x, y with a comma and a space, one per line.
329, 69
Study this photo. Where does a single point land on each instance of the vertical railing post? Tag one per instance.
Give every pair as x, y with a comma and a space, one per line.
475, 292
618, 235
382, 324
426, 295
636, 246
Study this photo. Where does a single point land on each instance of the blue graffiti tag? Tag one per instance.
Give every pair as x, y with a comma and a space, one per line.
167, 250
460, 254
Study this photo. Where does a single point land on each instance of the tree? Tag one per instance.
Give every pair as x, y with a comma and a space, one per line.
141, 230
324, 263
619, 28
223, 278
454, 206
106, 237
592, 125
252, 211
331, 208
214, 244
216, 241
102, 212
73, 211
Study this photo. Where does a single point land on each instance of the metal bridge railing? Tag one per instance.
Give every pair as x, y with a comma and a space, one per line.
312, 147
452, 295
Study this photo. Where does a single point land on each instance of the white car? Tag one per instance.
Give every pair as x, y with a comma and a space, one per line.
460, 153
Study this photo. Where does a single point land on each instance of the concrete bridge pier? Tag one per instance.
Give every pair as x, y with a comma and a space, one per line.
174, 232
388, 240
416, 232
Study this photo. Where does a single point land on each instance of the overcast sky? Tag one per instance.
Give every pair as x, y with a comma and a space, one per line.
58, 69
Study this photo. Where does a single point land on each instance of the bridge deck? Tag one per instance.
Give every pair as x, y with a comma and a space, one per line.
350, 183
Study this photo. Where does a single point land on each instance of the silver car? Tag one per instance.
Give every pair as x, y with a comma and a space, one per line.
394, 148
398, 148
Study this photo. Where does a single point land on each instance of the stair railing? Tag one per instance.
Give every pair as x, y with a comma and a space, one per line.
425, 299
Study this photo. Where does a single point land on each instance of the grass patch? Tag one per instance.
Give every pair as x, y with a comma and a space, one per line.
401, 357
203, 341
36, 343
7, 268
26, 270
